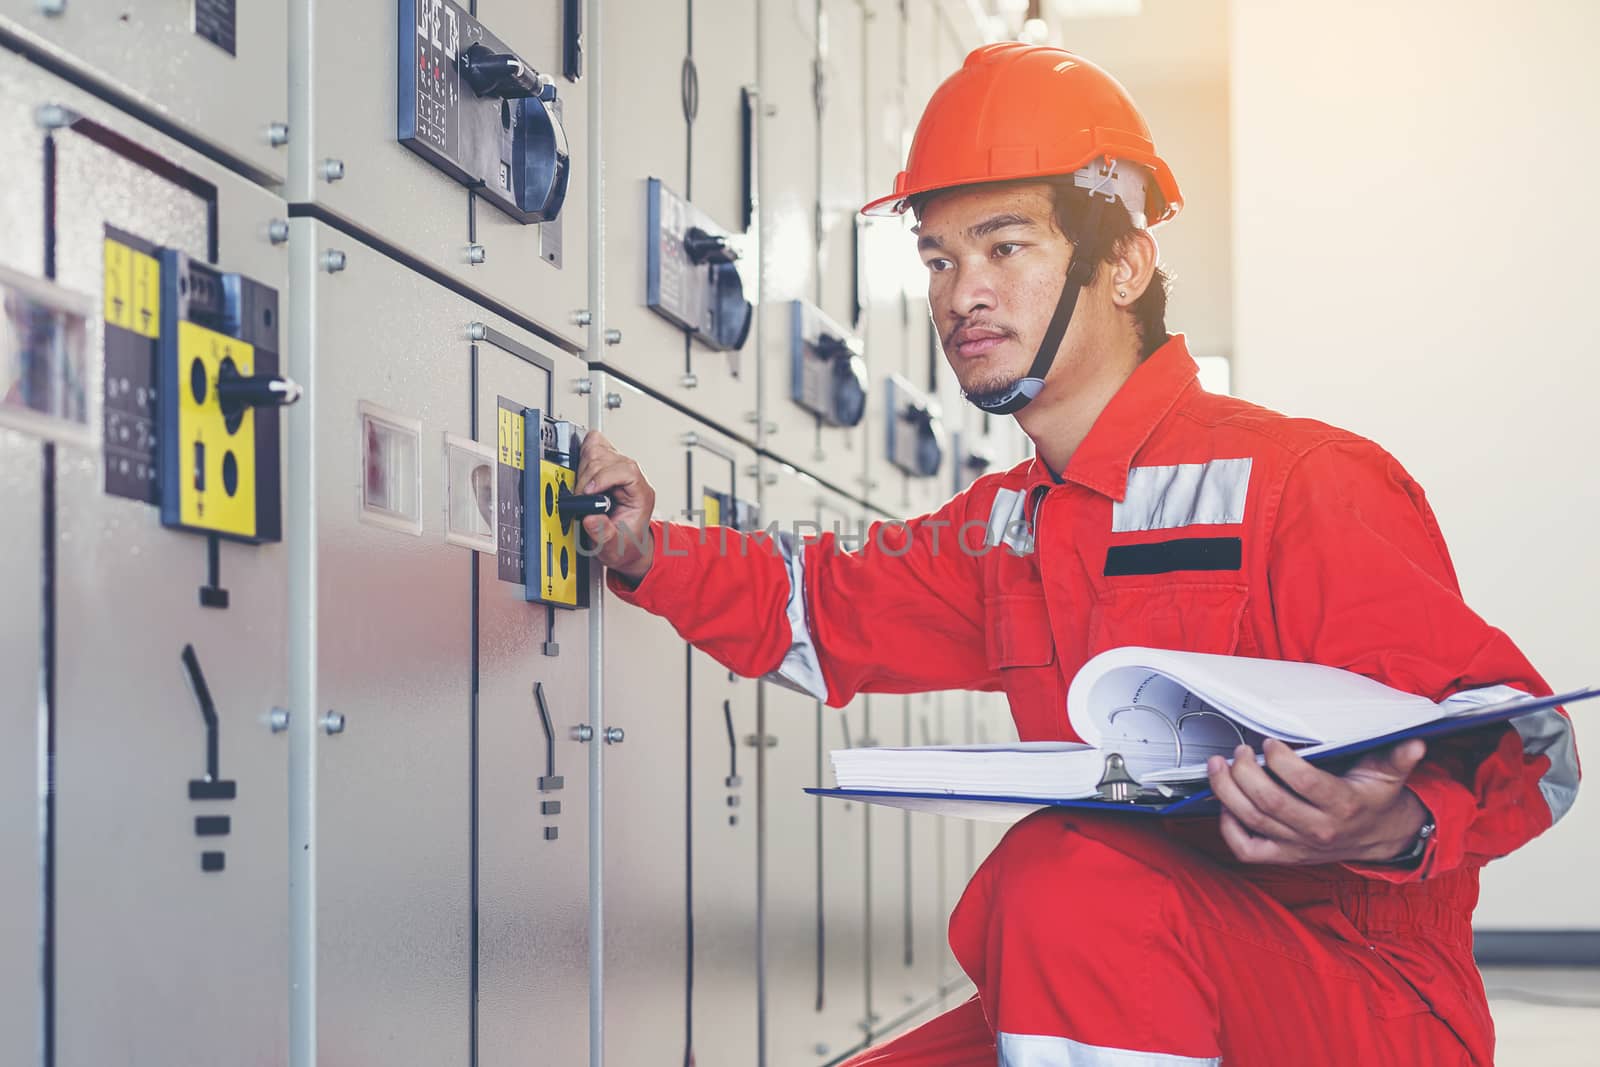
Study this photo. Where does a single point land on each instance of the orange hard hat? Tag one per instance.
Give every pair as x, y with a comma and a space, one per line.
1029, 111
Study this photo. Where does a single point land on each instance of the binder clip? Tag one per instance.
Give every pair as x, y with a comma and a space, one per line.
1116, 784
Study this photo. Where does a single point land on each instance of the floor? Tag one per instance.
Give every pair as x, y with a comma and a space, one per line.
1545, 1017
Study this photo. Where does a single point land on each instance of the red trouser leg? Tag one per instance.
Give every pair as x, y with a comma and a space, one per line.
1097, 942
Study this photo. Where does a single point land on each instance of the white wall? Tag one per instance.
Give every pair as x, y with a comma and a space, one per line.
1413, 239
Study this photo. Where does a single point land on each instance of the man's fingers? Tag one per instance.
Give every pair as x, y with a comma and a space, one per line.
1275, 801
1234, 799
614, 473
595, 451
1394, 764
1252, 848
1319, 788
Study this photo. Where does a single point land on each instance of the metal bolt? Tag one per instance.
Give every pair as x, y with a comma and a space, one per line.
752, 417
821, 1048
583, 732
278, 231
771, 110
614, 735
582, 386
477, 331
477, 254
333, 722
752, 471
771, 479
613, 337
690, 439
52, 117
689, 381
278, 134
333, 261
613, 401
761, 741
772, 428
582, 317
278, 720
332, 169
52, 7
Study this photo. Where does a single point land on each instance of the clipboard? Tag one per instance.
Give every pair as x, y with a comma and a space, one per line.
1190, 799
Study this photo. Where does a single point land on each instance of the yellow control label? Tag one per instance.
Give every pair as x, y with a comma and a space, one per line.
511, 437
216, 465
132, 290
558, 551
713, 509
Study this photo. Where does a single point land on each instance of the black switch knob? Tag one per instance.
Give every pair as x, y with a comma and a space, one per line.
976, 462
570, 505
706, 247
929, 455
732, 313
500, 74
849, 381
543, 160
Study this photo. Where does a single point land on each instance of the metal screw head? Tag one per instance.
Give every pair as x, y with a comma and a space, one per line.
332, 169
613, 401
278, 231
772, 428
333, 723
690, 440
278, 134
333, 261
821, 1049
614, 735
52, 117
583, 732
582, 317
771, 479
613, 337
689, 381
278, 720
477, 254
52, 7
752, 417
582, 386
477, 331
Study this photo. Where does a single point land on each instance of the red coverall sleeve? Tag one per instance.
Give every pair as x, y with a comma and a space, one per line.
901, 613
1360, 579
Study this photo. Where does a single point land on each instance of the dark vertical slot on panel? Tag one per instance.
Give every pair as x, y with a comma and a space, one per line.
472, 757
47, 670
688, 804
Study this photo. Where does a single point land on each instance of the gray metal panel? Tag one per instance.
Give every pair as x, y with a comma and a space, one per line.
842, 185
892, 991
152, 52
533, 891
345, 111
723, 852
646, 137
393, 630
518, 268
929, 911
645, 861
815, 974
22, 204
789, 162
143, 937
20, 659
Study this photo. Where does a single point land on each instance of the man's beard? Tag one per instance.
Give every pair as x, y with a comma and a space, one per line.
992, 390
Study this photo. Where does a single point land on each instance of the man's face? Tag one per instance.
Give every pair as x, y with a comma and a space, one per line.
996, 263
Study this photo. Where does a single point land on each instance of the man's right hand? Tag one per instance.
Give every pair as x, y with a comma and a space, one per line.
622, 539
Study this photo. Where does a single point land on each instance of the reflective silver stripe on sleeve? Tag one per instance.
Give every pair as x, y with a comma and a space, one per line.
1548, 733
1033, 1050
1543, 733
1186, 494
800, 669
1008, 522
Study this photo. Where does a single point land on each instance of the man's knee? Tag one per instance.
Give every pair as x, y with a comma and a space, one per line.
1062, 871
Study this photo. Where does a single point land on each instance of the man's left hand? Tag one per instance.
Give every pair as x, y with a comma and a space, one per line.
1300, 814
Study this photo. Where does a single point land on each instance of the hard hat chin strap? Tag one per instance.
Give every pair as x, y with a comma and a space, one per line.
1079, 273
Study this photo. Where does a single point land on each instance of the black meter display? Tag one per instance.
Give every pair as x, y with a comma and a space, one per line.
472, 107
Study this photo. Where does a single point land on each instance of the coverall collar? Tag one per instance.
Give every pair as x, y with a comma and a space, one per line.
1102, 461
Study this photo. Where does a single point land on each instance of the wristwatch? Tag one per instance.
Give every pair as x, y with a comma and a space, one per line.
1419, 844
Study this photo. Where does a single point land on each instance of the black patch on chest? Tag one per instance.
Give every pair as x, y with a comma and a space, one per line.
1184, 554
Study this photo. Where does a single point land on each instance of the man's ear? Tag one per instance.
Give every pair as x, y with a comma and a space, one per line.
1132, 267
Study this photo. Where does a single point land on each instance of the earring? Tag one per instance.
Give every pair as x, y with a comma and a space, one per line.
1122, 294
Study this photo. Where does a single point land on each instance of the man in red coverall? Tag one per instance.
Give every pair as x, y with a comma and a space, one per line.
1322, 919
